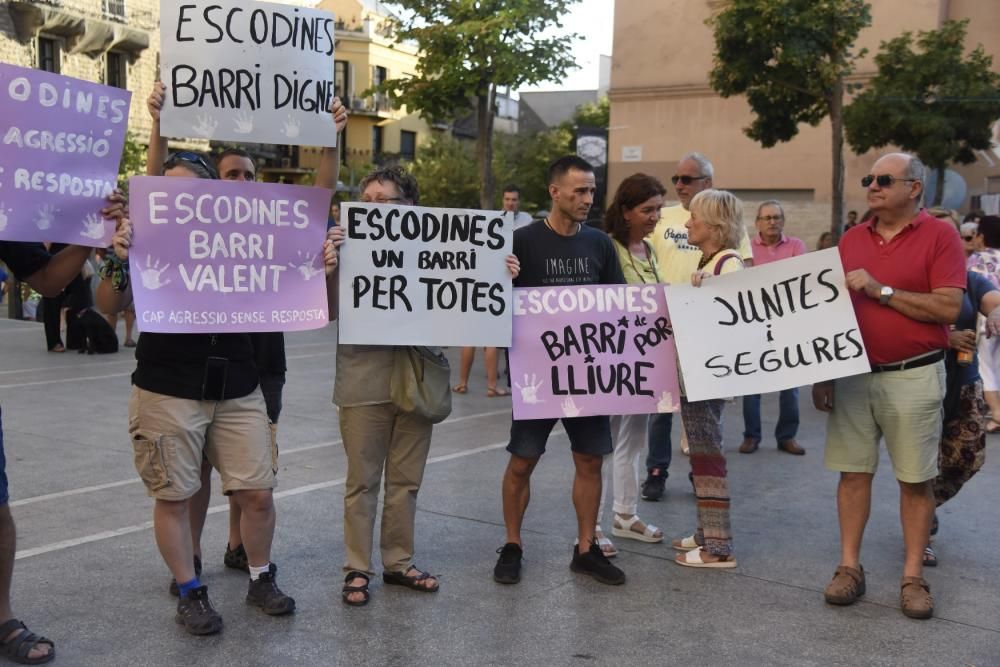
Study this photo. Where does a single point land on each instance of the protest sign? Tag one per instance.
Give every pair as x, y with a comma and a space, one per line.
213, 256
247, 71
411, 275
592, 350
780, 325
62, 141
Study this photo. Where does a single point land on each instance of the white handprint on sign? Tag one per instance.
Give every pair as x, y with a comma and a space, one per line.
569, 407
94, 227
151, 274
205, 126
291, 128
3, 217
306, 266
529, 392
666, 403
46, 216
243, 123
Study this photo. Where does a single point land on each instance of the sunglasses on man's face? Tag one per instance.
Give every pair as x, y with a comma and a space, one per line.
884, 180
686, 180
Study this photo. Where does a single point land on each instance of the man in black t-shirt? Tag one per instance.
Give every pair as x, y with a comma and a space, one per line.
561, 250
47, 274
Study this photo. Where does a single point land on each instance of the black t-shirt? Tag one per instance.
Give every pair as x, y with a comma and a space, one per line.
174, 364
549, 259
23, 259
269, 352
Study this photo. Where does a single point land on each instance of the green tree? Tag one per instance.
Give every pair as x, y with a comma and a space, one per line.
933, 101
523, 160
790, 57
133, 161
445, 168
468, 50
593, 114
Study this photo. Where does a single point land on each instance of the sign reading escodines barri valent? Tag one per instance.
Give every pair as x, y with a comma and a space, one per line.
411, 275
247, 71
212, 256
60, 143
780, 325
592, 350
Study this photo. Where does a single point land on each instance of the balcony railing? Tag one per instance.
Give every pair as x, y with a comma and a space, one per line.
114, 9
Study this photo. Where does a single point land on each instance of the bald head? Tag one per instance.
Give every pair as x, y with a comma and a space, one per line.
901, 187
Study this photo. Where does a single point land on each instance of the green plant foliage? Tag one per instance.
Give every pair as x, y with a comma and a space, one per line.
932, 100
469, 49
523, 160
133, 161
445, 169
593, 114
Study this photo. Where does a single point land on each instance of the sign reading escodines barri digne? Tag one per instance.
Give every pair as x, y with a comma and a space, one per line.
246, 71
592, 350
780, 325
60, 143
411, 275
212, 256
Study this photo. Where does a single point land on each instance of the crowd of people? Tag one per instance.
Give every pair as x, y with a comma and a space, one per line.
212, 401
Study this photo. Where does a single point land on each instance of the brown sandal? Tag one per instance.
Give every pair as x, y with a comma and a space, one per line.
414, 582
363, 589
915, 598
847, 586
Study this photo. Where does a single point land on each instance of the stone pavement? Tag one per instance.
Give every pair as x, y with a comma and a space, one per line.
89, 576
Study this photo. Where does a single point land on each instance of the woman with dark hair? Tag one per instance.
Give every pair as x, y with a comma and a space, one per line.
986, 261
631, 217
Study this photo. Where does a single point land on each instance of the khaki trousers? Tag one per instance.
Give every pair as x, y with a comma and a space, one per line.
378, 437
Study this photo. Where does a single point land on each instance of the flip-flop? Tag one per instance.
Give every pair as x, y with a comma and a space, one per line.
693, 559
460, 388
493, 392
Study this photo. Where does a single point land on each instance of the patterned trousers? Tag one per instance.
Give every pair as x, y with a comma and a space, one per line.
963, 444
703, 422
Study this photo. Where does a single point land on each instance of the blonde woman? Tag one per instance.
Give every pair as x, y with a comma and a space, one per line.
715, 227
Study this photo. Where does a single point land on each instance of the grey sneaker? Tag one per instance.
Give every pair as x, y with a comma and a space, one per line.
265, 594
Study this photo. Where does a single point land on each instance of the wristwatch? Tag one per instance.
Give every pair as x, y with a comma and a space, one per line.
885, 294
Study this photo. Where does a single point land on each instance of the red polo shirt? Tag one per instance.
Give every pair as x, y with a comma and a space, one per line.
926, 255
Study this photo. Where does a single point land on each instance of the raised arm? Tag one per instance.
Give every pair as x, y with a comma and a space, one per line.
157, 153
329, 163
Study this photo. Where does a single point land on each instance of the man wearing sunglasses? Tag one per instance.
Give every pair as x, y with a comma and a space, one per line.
906, 273
677, 260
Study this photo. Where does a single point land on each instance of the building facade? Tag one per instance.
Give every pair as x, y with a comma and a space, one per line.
663, 107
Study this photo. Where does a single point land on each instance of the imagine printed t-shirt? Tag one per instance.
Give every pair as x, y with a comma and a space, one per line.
549, 259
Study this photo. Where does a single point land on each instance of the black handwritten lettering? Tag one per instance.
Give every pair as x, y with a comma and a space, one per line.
181, 20
387, 259
732, 312
834, 292
712, 364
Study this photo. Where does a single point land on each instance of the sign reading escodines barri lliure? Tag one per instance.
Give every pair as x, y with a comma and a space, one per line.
781, 325
247, 71
411, 275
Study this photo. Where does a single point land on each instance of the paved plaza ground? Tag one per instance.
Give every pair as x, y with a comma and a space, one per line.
89, 576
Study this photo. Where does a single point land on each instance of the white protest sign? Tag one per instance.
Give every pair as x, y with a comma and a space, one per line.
411, 275
247, 71
777, 326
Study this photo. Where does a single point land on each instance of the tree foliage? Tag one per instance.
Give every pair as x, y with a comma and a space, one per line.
133, 161
789, 57
469, 49
593, 114
933, 100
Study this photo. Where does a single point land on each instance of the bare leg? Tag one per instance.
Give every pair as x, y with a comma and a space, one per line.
916, 507
235, 517
491, 359
199, 507
517, 493
172, 528
8, 546
465, 366
257, 525
993, 402
854, 499
586, 496
129, 323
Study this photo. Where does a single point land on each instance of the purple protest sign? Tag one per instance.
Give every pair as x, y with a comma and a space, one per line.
62, 141
592, 350
224, 256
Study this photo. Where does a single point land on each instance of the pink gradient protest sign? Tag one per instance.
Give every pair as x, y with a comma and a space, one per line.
62, 141
592, 350
223, 256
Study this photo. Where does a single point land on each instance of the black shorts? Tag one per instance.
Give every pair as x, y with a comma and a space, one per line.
587, 435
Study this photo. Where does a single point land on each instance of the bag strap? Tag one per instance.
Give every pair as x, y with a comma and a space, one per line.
722, 260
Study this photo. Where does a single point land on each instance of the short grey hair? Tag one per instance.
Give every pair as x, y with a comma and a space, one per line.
915, 168
704, 165
771, 202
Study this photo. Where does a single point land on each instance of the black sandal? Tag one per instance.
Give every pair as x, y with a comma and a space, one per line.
930, 558
414, 583
363, 589
18, 647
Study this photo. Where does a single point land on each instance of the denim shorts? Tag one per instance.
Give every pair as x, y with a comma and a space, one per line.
587, 435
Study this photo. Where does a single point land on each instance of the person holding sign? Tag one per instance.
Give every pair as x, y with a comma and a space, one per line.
196, 396
906, 273
715, 228
561, 250
630, 218
771, 245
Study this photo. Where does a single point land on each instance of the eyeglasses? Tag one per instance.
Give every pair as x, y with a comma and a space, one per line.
968, 238
771, 218
191, 158
383, 200
686, 180
884, 180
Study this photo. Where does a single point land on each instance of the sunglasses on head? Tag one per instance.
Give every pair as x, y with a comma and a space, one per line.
884, 180
686, 180
190, 158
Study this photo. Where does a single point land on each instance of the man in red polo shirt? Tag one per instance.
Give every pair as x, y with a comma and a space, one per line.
905, 270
